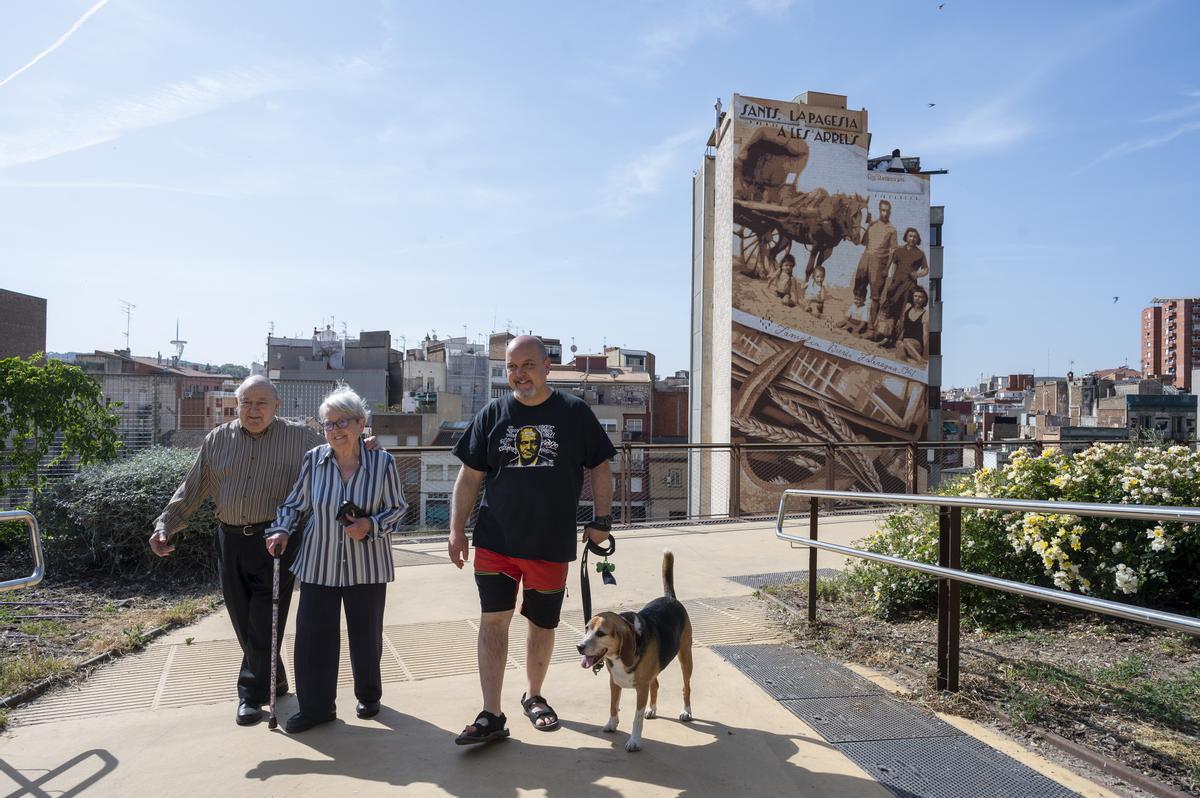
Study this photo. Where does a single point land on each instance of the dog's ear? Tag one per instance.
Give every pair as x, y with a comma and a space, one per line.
629, 635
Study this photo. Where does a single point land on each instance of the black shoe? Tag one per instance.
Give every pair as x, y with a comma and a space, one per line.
281, 688
248, 713
367, 709
301, 723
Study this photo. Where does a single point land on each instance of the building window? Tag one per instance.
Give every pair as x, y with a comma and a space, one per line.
674, 478
635, 484
609, 424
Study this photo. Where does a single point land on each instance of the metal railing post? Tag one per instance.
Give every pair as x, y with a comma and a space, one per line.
627, 471
814, 507
949, 556
735, 481
35, 547
914, 452
830, 465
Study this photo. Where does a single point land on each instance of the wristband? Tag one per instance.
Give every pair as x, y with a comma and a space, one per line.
601, 522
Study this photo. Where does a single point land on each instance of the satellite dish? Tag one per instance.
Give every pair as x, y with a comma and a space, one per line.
574, 349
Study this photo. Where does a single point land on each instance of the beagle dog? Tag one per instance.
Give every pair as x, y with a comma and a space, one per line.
635, 646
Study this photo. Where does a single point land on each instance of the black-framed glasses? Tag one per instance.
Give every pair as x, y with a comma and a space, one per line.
341, 423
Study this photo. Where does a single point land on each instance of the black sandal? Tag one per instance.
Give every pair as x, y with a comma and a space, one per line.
534, 715
487, 727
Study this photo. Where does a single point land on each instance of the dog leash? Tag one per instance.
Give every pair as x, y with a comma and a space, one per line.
585, 585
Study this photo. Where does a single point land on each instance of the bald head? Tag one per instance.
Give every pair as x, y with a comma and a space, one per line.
256, 381
528, 340
528, 366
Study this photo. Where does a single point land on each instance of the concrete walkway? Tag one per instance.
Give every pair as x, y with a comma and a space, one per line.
161, 722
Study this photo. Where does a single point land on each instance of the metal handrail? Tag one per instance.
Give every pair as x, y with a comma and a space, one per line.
950, 524
1181, 623
35, 545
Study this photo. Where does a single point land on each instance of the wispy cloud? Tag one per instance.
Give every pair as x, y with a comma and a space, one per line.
1006, 118
100, 185
646, 173
57, 42
657, 49
1188, 112
1139, 144
1182, 112
73, 130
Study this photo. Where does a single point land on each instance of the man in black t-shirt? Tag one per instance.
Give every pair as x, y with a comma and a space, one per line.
527, 450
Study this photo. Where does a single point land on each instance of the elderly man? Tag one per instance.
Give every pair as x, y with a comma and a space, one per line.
247, 466
525, 531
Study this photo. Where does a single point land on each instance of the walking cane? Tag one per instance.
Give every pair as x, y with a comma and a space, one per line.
272, 722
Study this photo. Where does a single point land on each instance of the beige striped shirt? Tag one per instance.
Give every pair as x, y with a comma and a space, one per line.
247, 477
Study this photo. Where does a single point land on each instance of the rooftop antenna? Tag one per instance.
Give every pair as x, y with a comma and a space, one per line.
129, 306
270, 329
178, 343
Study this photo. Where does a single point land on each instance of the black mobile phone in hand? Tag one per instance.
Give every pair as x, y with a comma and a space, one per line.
349, 512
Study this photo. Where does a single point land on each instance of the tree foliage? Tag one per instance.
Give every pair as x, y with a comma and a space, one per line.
44, 404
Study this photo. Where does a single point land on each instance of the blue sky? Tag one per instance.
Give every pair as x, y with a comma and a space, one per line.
420, 166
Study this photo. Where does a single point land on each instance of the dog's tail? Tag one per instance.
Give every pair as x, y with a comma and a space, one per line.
668, 574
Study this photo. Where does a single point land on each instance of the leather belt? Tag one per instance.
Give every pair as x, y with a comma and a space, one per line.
246, 530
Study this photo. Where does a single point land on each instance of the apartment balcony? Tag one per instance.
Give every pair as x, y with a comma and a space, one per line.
633, 436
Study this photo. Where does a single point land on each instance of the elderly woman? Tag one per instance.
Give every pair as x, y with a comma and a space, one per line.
345, 557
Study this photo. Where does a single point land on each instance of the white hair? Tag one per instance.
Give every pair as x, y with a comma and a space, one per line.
344, 400
255, 381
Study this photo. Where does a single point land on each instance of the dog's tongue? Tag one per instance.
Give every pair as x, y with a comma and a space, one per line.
588, 662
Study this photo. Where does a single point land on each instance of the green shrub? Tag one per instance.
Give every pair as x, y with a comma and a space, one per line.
1129, 561
103, 517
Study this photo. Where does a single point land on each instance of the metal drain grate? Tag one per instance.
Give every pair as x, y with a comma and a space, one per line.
956, 767
910, 752
783, 577
846, 719
179, 675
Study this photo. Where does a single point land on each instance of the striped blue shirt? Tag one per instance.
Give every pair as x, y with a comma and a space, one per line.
327, 555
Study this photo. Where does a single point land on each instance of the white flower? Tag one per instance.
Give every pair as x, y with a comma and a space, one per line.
1117, 547
1127, 581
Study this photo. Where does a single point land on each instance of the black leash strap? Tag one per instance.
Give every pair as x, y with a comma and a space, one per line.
585, 585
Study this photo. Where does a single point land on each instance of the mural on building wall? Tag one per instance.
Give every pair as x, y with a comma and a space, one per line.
830, 297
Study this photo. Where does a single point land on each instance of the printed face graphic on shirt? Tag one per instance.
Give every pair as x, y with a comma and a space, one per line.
531, 446
528, 443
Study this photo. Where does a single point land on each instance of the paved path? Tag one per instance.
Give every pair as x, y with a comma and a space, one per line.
161, 722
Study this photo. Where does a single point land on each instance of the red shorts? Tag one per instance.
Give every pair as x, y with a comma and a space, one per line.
536, 574
497, 577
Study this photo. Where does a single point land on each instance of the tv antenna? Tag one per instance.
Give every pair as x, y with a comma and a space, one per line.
178, 343
129, 306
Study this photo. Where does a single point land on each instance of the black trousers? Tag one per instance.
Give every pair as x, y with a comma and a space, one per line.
245, 569
318, 644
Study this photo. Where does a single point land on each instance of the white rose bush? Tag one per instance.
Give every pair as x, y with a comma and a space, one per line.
1152, 564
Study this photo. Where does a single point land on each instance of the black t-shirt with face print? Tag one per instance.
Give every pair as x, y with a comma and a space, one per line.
534, 459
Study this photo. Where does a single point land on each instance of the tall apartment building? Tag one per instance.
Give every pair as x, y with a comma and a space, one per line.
1171, 340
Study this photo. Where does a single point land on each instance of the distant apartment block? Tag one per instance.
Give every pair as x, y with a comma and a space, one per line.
22, 324
159, 397
306, 369
1170, 337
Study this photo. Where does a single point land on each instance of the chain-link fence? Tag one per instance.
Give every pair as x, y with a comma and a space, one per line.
697, 483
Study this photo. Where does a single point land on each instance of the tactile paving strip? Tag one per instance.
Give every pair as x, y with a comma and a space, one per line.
910, 752
178, 675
